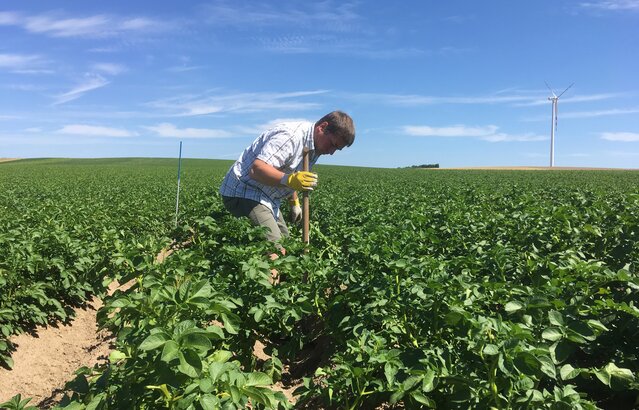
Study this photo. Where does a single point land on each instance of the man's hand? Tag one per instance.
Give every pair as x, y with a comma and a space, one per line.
296, 210
300, 181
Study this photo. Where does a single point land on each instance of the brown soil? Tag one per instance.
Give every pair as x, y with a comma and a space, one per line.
8, 159
46, 359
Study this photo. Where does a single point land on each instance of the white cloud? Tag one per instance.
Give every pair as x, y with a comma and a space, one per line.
486, 133
92, 82
621, 136
171, 131
139, 23
100, 25
453, 131
185, 106
68, 27
575, 99
601, 113
325, 15
612, 5
109, 68
501, 137
20, 61
95, 131
8, 18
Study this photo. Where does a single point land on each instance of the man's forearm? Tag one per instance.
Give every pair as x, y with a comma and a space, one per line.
265, 173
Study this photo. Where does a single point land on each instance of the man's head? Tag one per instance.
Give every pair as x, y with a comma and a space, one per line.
333, 132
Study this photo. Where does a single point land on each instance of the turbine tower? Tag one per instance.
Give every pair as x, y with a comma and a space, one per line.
553, 124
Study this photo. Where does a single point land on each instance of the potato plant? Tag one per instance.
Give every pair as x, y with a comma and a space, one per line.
421, 289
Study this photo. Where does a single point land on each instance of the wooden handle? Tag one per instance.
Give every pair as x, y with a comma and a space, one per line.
305, 204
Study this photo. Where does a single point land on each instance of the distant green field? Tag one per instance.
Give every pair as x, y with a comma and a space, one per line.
447, 289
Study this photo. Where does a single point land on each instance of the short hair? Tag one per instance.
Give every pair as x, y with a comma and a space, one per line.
341, 125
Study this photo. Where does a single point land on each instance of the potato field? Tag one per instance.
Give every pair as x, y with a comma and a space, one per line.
447, 289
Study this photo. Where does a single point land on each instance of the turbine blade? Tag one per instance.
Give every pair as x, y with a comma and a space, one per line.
566, 90
553, 93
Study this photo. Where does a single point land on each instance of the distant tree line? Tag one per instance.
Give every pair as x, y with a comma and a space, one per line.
424, 166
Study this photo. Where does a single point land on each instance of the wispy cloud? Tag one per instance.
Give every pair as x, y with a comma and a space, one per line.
416, 100
8, 18
169, 130
20, 61
453, 131
486, 133
99, 25
242, 102
91, 82
327, 15
621, 136
612, 5
575, 99
600, 113
9, 117
95, 131
510, 97
109, 68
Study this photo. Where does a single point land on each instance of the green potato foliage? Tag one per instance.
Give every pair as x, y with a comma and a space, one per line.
420, 289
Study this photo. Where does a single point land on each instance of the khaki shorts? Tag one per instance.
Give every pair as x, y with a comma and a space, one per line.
259, 214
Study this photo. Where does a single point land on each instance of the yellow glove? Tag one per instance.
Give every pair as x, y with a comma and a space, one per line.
296, 210
300, 181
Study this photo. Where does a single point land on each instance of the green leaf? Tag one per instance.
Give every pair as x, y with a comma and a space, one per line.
116, 356
258, 315
429, 383
552, 333
170, 351
513, 306
420, 398
491, 349
527, 363
556, 318
154, 341
215, 332
209, 402
190, 363
560, 351
595, 324
547, 366
230, 325
206, 385
197, 341
568, 372
580, 330
258, 379
390, 371
215, 370
615, 377
221, 356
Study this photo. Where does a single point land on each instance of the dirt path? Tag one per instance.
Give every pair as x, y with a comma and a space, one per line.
47, 359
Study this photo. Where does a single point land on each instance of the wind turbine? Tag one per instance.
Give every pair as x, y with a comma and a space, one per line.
553, 124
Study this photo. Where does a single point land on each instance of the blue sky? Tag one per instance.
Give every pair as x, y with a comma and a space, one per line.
459, 83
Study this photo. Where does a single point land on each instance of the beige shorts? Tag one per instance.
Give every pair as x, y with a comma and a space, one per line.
259, 214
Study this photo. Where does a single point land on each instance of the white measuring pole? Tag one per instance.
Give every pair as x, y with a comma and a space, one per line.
177, 199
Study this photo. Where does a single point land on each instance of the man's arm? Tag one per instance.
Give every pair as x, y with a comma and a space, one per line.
265, 173
269, 175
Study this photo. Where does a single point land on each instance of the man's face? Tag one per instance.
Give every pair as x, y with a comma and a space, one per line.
325, 142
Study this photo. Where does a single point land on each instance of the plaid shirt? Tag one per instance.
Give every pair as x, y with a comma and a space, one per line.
282, 147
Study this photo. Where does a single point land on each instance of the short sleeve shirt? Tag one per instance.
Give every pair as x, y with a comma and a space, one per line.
282, 147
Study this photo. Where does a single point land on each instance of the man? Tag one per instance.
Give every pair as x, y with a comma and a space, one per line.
270, 170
